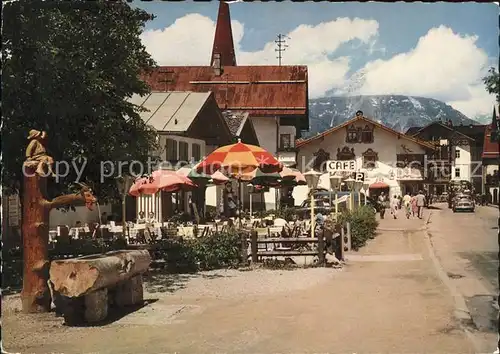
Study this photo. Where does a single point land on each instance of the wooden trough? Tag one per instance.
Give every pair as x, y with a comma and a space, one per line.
85, 287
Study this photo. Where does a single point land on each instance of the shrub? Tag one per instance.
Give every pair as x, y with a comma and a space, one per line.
220, 250
363, 225
286, 213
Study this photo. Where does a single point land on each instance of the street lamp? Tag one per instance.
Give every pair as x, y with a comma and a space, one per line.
366, 187
250, 187
123, 183
335, 182
357, 188
350, 186
312, 179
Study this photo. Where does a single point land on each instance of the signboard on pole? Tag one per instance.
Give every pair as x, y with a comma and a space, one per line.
359, 176
339, 165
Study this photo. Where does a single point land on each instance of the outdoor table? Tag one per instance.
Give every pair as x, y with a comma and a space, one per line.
75, 232
185, 231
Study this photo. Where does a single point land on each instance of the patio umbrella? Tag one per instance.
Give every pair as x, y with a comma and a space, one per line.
239, 159
292, 177
170, 181
259, 177
219, 178
164, 180
192, 173
135, 188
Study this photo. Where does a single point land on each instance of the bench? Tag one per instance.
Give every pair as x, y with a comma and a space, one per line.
84, 288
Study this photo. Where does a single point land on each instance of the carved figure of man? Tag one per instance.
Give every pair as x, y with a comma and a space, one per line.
36, 152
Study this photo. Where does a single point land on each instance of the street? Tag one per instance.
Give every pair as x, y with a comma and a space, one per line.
466, 246
390, 297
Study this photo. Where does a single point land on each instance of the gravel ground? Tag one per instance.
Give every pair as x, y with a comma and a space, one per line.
231, 283
223, 283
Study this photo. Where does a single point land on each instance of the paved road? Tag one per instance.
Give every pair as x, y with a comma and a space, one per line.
466, 245
388, 299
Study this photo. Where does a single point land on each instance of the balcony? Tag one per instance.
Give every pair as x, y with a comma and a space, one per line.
409, 174
287, 158
287, 148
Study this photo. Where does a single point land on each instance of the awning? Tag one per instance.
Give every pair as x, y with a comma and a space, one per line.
378, 185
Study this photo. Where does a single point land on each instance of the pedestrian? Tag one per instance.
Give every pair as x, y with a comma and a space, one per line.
407, 205
394, 206
421, 201
382, 204
413, 203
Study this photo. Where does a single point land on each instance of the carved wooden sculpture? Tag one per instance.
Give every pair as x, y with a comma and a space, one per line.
35, 228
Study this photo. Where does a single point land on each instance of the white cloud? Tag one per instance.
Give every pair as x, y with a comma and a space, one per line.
443, 64
188, 41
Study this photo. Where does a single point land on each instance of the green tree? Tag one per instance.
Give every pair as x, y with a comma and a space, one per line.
492, 82
68, 68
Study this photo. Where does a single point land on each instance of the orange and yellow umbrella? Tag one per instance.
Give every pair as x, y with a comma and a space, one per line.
237, 159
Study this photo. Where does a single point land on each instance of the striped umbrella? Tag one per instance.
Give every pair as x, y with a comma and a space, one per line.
259, 177
292, 177
237, 159
192, 173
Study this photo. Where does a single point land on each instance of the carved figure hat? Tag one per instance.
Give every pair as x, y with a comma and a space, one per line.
35, 134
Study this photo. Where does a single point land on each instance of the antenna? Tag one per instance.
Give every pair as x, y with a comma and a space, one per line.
280, 43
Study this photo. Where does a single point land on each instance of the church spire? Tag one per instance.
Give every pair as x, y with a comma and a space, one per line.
223, 40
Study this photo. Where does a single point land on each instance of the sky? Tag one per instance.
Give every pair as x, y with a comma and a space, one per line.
435, 50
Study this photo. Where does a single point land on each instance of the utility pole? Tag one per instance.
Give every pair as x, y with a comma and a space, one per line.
165, 79
281, 46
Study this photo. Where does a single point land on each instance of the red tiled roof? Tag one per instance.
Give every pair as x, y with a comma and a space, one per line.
260, 90
490, 149
223, 39
299, 143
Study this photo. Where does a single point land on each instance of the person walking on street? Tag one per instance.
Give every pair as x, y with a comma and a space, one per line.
394, 207
407, 205
382, 204
413, 203
420, 200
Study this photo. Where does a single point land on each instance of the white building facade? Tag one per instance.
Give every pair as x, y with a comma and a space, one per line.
387, 157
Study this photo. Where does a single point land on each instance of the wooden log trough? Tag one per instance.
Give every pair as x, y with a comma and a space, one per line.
84, 288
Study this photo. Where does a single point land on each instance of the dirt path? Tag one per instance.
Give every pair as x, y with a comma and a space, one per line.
388, 299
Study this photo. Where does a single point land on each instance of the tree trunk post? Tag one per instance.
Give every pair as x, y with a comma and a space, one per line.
35, 233
254, 247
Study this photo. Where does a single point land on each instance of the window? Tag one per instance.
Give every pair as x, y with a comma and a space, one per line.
345, 154
457, 171
457, 153
285, 141
367, 135
183, 151
171, 150
370, 158
320, 157
352, 134
196, 152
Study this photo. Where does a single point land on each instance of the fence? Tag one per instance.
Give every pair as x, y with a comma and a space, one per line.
336, 241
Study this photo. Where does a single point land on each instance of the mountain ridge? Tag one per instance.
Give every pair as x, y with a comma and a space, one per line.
398, 112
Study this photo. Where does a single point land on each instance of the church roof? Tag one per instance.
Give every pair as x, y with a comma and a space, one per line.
223, 39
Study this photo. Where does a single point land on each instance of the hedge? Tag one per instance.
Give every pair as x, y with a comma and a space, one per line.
363, 225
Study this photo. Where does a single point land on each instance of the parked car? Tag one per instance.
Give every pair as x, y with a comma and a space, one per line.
463, 203
320, 206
